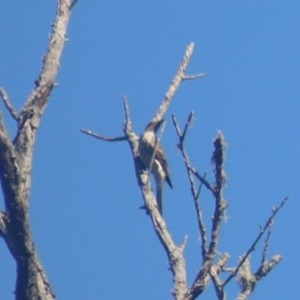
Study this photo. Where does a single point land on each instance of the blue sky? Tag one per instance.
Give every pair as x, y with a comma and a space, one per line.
94, 241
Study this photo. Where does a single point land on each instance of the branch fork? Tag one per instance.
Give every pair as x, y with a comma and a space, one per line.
16, 163
213, 265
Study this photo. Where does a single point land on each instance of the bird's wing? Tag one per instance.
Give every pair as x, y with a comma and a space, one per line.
160, 156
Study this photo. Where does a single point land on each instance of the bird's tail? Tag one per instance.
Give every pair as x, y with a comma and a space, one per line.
159, 196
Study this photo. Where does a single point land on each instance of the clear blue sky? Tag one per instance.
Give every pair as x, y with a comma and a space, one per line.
94, 241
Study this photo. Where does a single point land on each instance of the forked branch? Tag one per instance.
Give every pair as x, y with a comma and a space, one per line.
174, 252
262, 231
16, 164
177, 80
212, 266
211, 269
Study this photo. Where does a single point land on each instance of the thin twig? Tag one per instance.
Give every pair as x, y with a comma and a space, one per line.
200, 186
128, 123
192, 77
183, 244
194, 191
266, 246
177, 128
131, 136
178, 78
103, 137
202, 179
8, 104
268, 224
201, 224
187, 125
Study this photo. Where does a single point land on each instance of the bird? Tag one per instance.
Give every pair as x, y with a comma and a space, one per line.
154, 159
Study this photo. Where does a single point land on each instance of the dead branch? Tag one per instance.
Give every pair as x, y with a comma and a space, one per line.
103, 137
194, 191
248, 281
217, 282
127, 128
267, 267
8, 104
267, 226
210, 268
218, 159
266, 246
178, 78
16, 164
202, 179
51, 61
215, 271
220, 205
174, 252
192, 77
128, 121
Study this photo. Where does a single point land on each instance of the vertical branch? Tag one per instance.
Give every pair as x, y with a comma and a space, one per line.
177, 80
204, 274
174, 253
194, 191
51, 61
16, 164
220, 204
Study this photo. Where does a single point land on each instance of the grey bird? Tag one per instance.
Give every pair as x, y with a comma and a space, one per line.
148, 143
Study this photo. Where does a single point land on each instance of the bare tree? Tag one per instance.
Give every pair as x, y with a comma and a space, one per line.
16, 164
214, 267
15, 174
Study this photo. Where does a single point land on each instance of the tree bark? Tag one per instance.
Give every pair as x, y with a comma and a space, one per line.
16, 164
